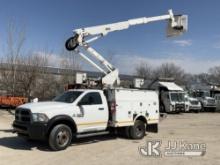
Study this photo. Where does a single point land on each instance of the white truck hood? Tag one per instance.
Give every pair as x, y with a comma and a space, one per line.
44, 107
210, 98
192, 99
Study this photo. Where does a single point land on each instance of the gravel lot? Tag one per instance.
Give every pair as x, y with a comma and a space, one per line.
190, 127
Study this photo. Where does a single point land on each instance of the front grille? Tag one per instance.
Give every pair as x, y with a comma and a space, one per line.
180, 107
22, 115
194, 102
211, 101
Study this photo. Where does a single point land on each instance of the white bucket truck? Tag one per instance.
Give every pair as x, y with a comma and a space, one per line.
88, 112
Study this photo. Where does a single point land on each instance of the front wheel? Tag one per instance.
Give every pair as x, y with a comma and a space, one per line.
138, 130
60, 137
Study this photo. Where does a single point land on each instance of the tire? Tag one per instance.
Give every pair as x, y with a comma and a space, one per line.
60, 137
124, 132
138, 130
127, 132
72, 43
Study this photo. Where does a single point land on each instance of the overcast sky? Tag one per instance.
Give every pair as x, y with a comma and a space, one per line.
49, 23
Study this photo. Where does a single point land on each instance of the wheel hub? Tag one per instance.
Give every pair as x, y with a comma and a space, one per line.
62, 138
139, 131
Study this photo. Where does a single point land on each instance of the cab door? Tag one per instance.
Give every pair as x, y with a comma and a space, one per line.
94, 112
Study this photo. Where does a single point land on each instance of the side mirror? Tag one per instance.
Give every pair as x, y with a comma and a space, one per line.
81, 109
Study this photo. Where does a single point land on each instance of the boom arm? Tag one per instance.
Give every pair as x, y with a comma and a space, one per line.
105, 29
177, 25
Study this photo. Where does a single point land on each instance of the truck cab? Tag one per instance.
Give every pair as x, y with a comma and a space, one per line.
78, 110
173, 101
207, 102
192, 104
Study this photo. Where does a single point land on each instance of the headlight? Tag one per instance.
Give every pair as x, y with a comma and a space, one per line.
39, 117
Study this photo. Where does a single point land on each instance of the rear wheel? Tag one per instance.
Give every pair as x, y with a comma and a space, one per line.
124, 131
138, 130
60, 137
127, 132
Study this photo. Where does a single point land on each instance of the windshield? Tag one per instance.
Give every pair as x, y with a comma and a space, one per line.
180, 97
68, 97
202, 94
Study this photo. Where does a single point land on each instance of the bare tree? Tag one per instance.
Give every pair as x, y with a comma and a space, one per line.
214, 74
165, 70
170, 70
14, 49
145, 70
46, 84
30, 71
70, 62
27, 74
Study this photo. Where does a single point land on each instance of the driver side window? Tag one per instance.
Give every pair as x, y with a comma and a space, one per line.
92, 98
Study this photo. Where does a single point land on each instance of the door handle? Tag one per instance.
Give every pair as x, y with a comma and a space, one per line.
101, 109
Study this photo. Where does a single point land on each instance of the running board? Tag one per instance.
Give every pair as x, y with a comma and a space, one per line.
92, 134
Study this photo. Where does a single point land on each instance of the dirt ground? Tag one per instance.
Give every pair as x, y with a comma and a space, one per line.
190, 127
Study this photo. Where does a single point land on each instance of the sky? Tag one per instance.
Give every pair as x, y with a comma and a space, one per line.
48, 23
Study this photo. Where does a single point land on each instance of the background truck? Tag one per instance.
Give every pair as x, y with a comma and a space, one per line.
171, 96
172, 101
83, 112
208, 103
88, 112
192, 104
12, 101
217, 100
